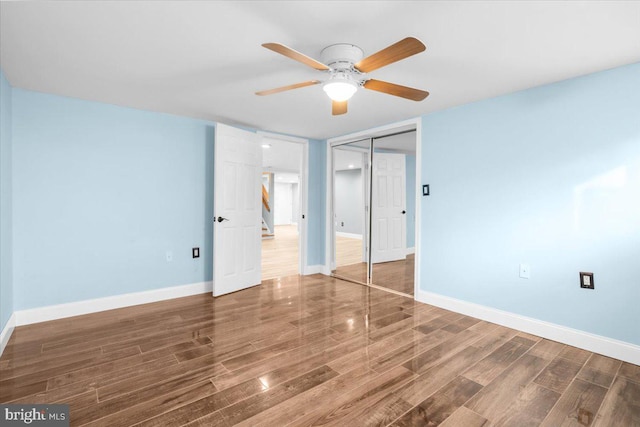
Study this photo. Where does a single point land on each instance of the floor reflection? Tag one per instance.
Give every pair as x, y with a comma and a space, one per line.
394, 275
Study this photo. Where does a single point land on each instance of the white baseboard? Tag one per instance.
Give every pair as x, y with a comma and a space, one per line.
312, 269
52, 312
349, 235
7, 331
411, 251
596, 343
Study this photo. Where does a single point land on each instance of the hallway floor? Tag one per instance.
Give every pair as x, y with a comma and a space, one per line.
280, 254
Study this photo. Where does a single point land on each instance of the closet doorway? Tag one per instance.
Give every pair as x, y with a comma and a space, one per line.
373, 208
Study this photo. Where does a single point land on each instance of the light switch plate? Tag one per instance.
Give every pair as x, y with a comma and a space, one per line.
169, 256
525, 271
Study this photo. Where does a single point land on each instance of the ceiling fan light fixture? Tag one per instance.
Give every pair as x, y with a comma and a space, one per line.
347, 70
340, 90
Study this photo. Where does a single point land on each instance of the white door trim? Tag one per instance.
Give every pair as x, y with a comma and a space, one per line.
418, 218
415, 123
304, 199
365, 192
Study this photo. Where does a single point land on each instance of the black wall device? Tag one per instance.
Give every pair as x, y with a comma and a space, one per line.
425, 190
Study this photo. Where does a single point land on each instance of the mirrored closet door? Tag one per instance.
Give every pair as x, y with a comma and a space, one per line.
374, 197
393, 212
350, 211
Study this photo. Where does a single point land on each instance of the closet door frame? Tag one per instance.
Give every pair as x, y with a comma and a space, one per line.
416, 124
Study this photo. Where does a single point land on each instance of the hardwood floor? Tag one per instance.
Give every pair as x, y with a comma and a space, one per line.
395, 275
305, 351
280, 254
348, 251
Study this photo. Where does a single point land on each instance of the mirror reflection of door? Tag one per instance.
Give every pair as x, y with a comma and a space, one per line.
393, 212
388, 216
351, 222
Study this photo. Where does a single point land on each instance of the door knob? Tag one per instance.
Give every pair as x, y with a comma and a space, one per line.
220, 219
404, 212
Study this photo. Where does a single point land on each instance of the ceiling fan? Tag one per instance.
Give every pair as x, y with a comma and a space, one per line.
347, 71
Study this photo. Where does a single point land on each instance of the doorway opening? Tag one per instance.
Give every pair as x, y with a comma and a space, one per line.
283, 206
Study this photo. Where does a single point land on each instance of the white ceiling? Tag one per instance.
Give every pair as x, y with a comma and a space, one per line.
204, 59
344, 158
286, 178
281, 156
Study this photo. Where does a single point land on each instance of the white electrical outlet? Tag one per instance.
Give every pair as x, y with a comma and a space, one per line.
525, 271
169, 256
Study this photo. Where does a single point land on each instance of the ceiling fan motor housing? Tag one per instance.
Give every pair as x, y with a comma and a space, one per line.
341, 56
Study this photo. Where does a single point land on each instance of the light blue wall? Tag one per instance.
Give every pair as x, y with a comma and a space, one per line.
410, 167
316, 201
349, 203
101, 193
550, 177
6, 228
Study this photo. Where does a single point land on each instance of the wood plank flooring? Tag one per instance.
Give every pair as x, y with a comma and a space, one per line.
280, 254
308, 351
394, 275
348, 251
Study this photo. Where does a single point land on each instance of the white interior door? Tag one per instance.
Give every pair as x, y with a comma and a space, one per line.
388, 212
237, 210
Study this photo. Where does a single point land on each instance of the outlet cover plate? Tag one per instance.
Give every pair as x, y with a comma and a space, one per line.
586, 280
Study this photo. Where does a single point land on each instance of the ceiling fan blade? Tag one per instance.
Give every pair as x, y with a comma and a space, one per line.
394, 53
396, 90
338, 107
296, 56
283, 88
